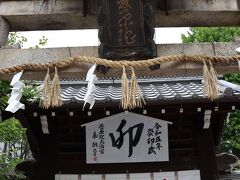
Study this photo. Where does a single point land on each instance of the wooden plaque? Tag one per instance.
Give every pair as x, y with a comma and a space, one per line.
126, 29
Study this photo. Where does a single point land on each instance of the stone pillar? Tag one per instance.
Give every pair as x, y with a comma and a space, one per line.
4, 31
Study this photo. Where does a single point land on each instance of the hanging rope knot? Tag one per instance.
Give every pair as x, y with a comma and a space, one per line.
211, 89
45, 98
132, 96
55, 94
51, 93
124, 90
136, 96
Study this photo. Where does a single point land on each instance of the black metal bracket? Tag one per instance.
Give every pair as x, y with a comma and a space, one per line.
85, 8
164, 5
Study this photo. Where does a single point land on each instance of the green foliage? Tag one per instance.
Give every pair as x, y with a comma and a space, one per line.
211, 34
3, 102
233, 77
41, 43
15, 38
7, 164
11, 131
5, 90
230, 141
30, 93
12, 135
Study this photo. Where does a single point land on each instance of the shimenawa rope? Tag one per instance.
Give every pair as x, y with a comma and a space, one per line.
117, 64
131, 97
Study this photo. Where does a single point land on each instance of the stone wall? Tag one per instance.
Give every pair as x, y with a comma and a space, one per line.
12, 57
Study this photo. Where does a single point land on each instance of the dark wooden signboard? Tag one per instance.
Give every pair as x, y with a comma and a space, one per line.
126, 29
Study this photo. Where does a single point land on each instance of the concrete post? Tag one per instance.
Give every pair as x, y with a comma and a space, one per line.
4, 31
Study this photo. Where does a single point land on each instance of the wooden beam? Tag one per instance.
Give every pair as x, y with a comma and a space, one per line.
26, 15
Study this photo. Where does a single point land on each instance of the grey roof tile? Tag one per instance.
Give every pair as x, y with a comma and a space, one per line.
152, 89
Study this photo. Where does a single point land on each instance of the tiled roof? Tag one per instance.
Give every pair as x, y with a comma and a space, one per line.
153, 89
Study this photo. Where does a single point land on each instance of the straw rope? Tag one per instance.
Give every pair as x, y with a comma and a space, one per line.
131, 98
117, 64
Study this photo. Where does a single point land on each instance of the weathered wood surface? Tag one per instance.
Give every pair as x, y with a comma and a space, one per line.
24, 15
11, 57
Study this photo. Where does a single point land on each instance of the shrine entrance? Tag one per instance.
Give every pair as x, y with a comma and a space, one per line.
128, 109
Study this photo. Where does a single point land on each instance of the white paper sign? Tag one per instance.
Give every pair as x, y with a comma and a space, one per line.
127, 137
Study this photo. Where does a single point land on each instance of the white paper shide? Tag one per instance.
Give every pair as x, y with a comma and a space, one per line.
17, 87
127, 137
91, 88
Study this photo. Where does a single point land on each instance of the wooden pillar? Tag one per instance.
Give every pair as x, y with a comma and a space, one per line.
47, 165
47, 162
31, 135
206, 152
4, 31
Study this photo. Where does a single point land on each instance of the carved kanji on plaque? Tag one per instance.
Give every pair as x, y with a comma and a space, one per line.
126, 29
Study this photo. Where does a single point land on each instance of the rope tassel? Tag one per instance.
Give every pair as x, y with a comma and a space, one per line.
124, 90
131, 96
56, 100
210, 82
215, 89
136, 97
45, 98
